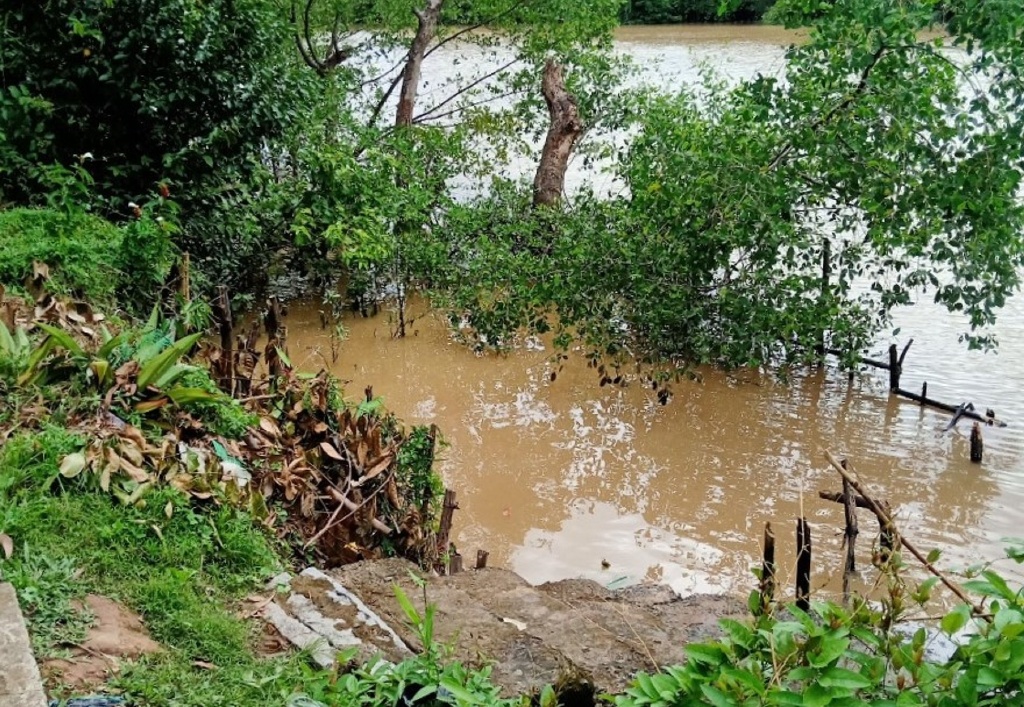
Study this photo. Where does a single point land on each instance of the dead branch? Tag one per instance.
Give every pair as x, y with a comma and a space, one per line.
848, 475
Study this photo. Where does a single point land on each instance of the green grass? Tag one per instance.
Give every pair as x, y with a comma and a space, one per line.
82, 251
184, 574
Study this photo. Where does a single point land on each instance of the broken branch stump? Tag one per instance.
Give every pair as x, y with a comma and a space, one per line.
977, 445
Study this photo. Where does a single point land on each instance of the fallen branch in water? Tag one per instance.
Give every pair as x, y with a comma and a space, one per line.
977, 609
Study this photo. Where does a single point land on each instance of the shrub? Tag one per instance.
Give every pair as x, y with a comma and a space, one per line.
81, 251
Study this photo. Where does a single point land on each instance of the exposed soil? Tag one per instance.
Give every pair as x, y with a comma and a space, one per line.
116, 635
575, 634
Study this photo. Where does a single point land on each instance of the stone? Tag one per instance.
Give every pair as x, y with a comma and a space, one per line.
20, 684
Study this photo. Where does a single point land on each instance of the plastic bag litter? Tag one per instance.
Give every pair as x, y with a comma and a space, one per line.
304, 701
94, 701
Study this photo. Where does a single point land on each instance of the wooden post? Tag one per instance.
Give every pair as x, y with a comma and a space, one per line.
977, 446
767, 583
447, 513
803, 564
272, 323
184, 284
924, 392
455, 563
826, 276
850, 513
222, 305
481, 559
894, 368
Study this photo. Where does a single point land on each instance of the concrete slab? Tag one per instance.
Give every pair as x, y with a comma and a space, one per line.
20, 684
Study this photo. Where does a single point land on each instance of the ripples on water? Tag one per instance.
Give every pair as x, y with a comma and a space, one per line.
555, 477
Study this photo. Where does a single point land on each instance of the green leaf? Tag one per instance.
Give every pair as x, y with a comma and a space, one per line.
428, 690
705, 653
163, 361
180, 395
110, 344
62, 338
716, 696
955, 620
6, 340
463, 695
815, 695
843, 678
407, 607
172, 374
1002, 588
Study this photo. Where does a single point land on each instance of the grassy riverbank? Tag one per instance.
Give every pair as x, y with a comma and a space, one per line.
186, 575
126, 473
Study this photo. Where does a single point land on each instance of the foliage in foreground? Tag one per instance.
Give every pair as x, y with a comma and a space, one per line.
859, 656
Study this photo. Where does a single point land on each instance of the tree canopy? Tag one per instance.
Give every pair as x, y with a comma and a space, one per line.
764, 220
758, 222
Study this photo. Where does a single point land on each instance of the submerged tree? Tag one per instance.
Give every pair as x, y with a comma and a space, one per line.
426, 122
764, 220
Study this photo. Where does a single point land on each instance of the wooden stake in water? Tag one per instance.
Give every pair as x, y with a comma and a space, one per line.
850, 513
767, 584
803, 557
977, 445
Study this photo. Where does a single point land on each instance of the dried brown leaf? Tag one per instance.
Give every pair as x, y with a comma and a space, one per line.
378, 466
136, 473
330, 451
270, 427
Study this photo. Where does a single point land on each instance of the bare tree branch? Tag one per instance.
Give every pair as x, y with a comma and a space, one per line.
469, 87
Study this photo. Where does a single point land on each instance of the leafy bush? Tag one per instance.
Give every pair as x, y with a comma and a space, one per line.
860, 656
82, 251
133, 94
222, 414
87, 256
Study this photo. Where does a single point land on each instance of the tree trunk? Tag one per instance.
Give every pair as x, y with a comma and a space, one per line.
411, 74
566, 128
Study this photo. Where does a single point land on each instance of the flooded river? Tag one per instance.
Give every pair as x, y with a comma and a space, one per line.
570, 479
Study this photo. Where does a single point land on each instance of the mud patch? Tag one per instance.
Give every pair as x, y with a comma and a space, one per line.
116, 635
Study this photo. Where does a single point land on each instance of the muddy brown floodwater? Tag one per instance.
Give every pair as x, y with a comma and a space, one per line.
555, 477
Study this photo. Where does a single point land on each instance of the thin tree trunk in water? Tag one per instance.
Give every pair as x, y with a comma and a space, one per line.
411, 75
566, 128
425, 34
